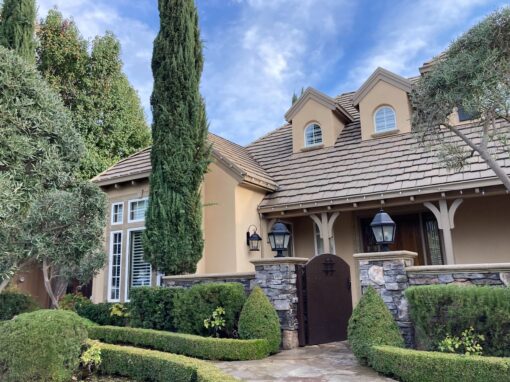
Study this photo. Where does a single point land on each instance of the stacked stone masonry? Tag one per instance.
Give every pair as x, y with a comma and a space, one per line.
187, 282
460, 278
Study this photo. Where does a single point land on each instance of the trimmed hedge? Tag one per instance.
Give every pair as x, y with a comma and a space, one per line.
372, 324
413, 365
153, 308
13, 303
100, 313
44, 345
260, 320
151, 365
197, 303
187, 344
439, 310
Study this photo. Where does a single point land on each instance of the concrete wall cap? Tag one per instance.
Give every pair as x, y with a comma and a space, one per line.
280, 260
473, 268
390, 255
219, 276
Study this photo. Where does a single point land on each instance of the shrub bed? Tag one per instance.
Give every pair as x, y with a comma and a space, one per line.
193, 306
151, 365
372, 324
413, 365
44, 345
194, 346
100, 313
439, 310
153, 308
13, 303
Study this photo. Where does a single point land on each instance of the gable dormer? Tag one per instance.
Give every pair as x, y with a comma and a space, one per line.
316, 120
383, 103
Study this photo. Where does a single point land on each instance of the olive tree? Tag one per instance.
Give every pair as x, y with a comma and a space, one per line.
473, 75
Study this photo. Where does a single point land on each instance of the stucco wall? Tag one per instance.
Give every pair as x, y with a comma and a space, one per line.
482, 230
384, 94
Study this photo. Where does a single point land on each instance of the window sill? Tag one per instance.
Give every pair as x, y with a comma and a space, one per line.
385, 133
314, 147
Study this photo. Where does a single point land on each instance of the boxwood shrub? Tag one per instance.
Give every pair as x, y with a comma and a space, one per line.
438, 310
13, 303
100, 313
413, 365
153, 307
44, 345
372, 324
260, 320
151, 365
197, 303
194, 346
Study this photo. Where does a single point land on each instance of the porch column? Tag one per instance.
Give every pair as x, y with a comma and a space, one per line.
445, 221
325, 225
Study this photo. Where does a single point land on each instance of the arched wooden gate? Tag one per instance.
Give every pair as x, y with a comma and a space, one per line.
325, 302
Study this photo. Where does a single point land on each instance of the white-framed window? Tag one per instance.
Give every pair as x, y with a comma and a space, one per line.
138, 271
313, 135
114, 266
117, 213
137, 210
319, 244
385, 119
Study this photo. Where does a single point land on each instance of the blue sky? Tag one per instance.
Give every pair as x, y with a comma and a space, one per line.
257, 52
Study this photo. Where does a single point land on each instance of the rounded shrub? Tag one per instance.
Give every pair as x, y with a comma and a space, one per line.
13, 303
259, 320
44, 345
372, 324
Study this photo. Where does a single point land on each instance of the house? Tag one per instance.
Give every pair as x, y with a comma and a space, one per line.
324, 174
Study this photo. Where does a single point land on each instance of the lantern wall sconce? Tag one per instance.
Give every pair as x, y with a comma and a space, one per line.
253, 239
383, 228
279, 238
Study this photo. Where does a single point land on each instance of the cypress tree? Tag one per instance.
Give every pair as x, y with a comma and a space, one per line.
173, 239
17, 27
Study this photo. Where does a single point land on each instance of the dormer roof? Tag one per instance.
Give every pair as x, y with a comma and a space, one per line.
381, 74
321, 98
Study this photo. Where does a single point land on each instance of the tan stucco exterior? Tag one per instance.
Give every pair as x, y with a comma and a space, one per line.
313, 112
384, 94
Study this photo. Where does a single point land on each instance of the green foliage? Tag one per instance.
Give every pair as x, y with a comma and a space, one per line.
91, 356
372, 324
186, 344
101, 313
260, 320
44, 345
71, 300
13, 303
468, 343
173, 240
411, 365
155, 366
216, 322
106, 109
193, 306
17, 27
153, 307
439, 310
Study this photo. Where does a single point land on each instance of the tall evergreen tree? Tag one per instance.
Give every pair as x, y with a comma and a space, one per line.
17, 27
173, 239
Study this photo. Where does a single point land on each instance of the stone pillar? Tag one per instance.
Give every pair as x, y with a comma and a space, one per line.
277, 278
386, 273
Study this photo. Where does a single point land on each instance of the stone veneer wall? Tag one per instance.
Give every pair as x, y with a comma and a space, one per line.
188, 281
474, 274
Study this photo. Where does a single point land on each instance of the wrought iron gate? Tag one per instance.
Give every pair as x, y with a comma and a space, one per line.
325, 302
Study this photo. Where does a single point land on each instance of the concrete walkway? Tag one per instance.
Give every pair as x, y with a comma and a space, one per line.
332, 362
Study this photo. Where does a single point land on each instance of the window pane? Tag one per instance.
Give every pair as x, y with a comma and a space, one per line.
117, 213
313, 135
385, 119
137, 210
139, 269
116, 254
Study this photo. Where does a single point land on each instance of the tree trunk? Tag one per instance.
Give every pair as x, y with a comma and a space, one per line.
4, 284
494, 165
47, 284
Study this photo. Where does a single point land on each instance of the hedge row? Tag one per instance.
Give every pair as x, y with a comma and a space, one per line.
153, 308
439, 310
413, 365
194, 346
151, 365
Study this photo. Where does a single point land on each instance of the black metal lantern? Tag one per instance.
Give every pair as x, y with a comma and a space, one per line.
253, 239
383, 228
279, 238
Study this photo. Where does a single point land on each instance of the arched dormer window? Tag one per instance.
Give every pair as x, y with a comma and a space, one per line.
384, 119
313, 135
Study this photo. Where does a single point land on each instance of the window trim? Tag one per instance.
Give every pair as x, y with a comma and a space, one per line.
309, 125
128, 258
129, 210
316, 244
113, 214
110, 258
376, 131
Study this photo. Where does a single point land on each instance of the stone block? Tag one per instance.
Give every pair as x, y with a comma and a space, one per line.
376, 274
290, 339
505, 278
470, 276
281, 304
392, 286
445, 278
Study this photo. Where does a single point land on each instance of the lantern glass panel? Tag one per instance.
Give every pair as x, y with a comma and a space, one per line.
279, 240
272, 241
378, 233
389, 233
287, 239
